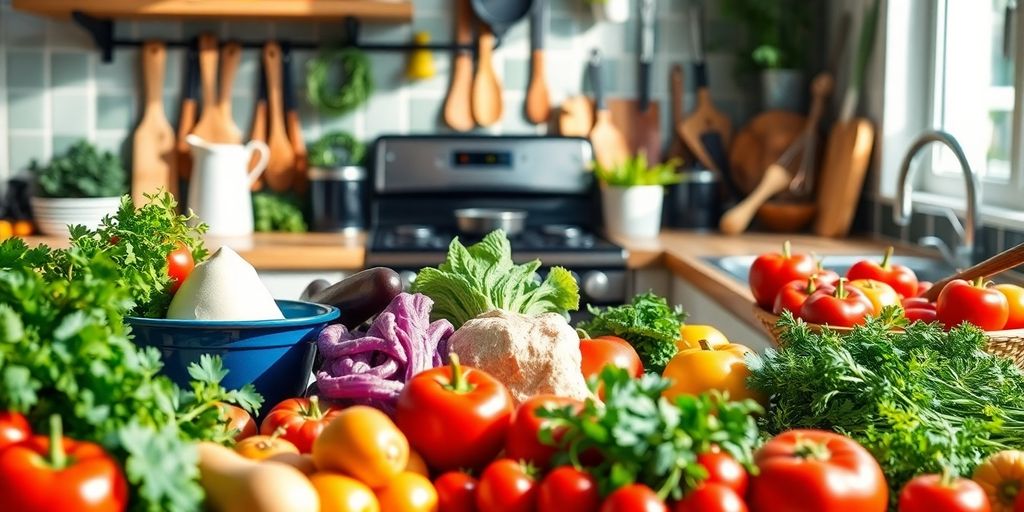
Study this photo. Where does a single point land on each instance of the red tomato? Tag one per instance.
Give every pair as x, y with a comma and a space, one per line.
711, 497
506, 486
14, 428
1018, 504
831, 471
456, 492
523, 441
179, 266
917, 303
845, 306
633, 498
962, 301
238, 420
933, 493
724, 470
475, 403
302, 419
923, 287
609, 350
926, 315
1015, 298
793, 295
901, 278
567, 489
824, 275
771, 271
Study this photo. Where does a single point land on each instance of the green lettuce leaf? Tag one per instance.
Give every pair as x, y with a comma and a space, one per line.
483, 277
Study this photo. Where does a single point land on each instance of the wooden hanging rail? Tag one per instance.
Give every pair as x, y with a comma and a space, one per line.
312, 10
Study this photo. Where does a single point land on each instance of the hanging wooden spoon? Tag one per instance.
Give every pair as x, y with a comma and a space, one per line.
458, 107
153, 156
487, 103
294, 125
282, 157
258, 131
538, 102
208, 126
228, 131
187, 115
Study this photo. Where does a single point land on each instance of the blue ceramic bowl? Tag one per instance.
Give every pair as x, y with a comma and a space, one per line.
276, 356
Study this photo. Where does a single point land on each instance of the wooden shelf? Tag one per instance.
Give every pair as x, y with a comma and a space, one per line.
384, 10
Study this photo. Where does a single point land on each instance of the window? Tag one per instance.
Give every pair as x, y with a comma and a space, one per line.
977, 96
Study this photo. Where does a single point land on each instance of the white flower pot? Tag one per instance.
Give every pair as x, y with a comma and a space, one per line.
632, 212
53, 215
613, 11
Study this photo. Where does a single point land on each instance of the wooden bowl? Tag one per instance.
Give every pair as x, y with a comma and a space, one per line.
785, 217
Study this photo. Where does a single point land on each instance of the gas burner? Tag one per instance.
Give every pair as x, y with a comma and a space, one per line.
414, 231
566, 231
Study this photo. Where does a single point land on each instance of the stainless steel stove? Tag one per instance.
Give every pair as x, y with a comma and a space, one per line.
419, 182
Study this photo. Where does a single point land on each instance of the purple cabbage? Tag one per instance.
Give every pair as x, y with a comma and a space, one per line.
372, 367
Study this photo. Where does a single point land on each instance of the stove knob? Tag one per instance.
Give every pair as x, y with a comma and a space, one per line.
596, 286
407, 277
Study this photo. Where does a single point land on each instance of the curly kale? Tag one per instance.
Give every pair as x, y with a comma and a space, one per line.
649, 324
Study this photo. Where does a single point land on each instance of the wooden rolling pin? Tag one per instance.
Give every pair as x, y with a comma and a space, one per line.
1001, 262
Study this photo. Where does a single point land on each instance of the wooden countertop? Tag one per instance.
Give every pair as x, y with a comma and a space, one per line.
282, 251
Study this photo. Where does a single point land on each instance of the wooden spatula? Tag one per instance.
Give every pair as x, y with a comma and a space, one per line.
227, 131
458, 106
153, 155
280, 167
487, 102
1006, 260
610, 146
209, 126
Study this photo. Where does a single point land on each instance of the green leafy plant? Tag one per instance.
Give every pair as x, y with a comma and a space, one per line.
336, 149
65, 349
777, 31
920, 400
635, 172
649, 324
273, 212
643, 437
83, 171
483, 277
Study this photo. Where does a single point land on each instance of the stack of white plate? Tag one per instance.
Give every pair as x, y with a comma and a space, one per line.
53, 215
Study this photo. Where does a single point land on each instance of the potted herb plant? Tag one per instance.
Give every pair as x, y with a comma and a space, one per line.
778, 33
632, 194
79, 187
614, 11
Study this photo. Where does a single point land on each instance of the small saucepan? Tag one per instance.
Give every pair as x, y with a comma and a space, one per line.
480, 221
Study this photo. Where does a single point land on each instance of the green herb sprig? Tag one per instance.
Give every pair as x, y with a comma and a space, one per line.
645, 438
919, 400
82, 171
648, 323
636, 171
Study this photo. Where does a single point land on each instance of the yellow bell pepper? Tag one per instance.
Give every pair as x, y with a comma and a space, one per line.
690, 336
699, 370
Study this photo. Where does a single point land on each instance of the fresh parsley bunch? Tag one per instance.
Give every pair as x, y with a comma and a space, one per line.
919, 400
649, 324
83, 171
642, 437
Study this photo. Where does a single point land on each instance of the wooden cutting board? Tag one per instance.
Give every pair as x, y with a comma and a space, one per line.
760, 143
847, 157
153, 152
642, 129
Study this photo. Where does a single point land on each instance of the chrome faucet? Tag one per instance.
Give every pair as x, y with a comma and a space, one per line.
963, 255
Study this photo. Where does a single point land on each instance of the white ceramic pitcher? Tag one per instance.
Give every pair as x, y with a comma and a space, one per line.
219, 191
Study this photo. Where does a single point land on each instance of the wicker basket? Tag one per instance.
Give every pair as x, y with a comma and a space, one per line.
1008, 344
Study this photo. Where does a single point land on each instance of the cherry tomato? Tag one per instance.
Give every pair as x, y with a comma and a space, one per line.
962, 301
456, 492
901, 278
843, 307
239, 420
793, 295
926, 315
506, 486
1015, 298
633, 498
568, 489
302, 419
832, 472
609, 350
471, 399
179, 266
724, 470
711, 497
935, 493
879, 293
523, 441
14, 428
771, 271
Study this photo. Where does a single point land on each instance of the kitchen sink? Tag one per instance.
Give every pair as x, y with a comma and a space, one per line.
927, 269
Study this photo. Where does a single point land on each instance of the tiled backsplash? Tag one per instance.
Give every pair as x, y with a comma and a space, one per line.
54, 89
